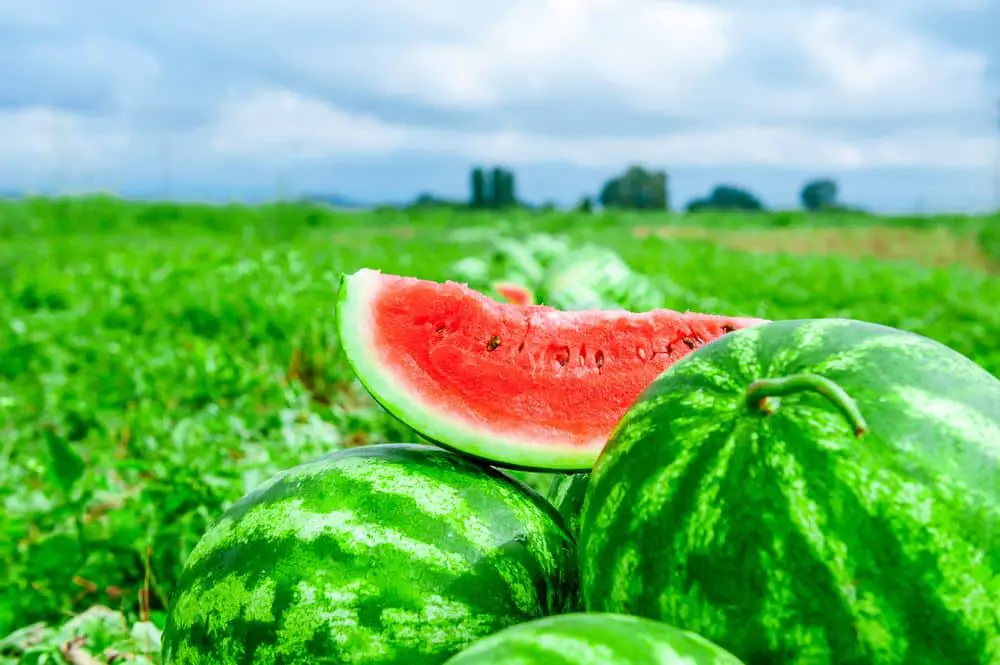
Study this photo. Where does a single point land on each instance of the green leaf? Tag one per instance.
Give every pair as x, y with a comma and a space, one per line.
67, 465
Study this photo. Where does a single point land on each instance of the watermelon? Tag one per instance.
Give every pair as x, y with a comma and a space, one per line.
595, 277
390, 553
527, 387
594, 639
821, 492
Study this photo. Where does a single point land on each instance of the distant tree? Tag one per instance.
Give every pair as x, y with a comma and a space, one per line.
819, 194
730, 197
636, 189
505, 193
493, 189
496, 187
611, 194
697, 205
726, 197
586, 205
478, 198
428, 200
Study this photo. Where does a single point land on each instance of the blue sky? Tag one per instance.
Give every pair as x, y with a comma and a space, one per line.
896, 99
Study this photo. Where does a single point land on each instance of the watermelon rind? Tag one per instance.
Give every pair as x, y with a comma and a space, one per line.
594, 639
480, 440
793, 531
382, 554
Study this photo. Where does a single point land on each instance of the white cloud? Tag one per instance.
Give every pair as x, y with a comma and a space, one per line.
729, 83
873, 66
264, 123
677, 58
647, 53
46, 140
287, 128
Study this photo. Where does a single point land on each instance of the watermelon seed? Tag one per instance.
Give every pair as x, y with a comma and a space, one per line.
599, 359
641, 351
562, 355
688, 342
728, 328
440, 330
493, 343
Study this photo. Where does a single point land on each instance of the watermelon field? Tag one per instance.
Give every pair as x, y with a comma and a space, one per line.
160, 361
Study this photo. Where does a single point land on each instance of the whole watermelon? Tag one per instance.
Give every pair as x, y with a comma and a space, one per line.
594, 639
394, 553
595, 277
809, 492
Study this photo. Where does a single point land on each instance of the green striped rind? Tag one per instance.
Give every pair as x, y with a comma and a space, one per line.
786, 539
395, 553
594, 639
567, 493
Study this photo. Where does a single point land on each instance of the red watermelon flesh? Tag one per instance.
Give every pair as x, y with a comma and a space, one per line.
519, 386
515, 294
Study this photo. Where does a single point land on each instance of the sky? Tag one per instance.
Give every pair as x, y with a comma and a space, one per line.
247, 99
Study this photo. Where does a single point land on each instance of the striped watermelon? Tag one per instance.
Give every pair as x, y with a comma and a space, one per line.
813, 492
594, 639
595, 277
394, 553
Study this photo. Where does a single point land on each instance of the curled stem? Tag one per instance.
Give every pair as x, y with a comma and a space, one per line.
759, 394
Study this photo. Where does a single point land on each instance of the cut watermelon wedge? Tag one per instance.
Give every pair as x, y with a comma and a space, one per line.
527, 387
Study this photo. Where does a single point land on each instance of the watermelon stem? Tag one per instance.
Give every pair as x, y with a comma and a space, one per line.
760, 393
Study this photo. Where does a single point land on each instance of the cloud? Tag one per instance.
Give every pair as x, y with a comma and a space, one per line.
282, 122
39, 140
588, 83
275, 122
642, 53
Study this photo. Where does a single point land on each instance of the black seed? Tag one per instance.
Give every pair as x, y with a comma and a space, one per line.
493, 343
562, 355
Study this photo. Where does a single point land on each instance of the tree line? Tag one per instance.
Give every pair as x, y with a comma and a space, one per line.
638, 188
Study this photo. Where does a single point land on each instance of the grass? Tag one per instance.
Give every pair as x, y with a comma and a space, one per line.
157, 361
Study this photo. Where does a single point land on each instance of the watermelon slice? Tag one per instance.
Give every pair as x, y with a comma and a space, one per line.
528, 387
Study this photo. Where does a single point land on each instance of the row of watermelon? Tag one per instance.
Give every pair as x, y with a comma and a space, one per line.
547, 268
820, 491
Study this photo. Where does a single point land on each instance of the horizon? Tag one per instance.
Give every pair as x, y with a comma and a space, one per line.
895, 101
